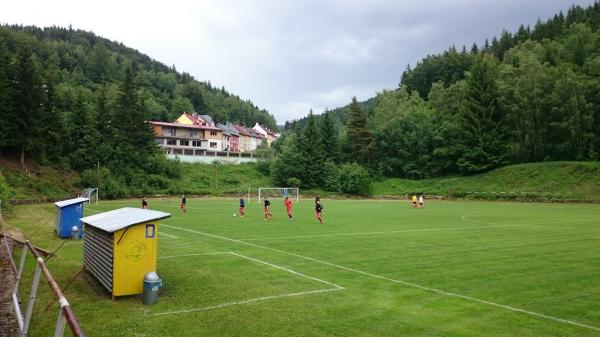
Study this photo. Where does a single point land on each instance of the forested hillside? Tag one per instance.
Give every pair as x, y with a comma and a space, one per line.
72, 99
528, 96
338, 115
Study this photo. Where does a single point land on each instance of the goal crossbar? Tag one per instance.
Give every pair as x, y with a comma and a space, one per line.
279, 192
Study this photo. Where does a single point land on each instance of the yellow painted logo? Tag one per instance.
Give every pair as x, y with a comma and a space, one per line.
136, 251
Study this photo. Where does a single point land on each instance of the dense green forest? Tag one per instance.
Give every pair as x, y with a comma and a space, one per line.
72, 99
528, 96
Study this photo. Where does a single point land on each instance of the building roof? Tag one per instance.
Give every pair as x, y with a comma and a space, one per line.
265, 131
193, 117
114, 220
242, 130
178, 125
248, 131
229, 129
65, 203
206, 118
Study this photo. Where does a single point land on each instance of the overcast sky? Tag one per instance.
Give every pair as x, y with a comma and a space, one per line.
290, 56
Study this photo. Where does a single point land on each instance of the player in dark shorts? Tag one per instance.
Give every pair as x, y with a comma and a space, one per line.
183, 202
319, 209
242, 207
144, 203
266, 210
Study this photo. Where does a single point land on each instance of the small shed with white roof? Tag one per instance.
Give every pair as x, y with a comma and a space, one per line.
67, 214
120, 247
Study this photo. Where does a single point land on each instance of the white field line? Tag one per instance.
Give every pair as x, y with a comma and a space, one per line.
288, 270
224, 305
464, 217
265, 298
414, 285
193, 254
412, 230
167, 235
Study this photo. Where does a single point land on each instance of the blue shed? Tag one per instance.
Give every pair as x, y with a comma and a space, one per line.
67, 214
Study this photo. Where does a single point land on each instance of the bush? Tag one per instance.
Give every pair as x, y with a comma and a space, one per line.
353, 179
294, 182
6, 192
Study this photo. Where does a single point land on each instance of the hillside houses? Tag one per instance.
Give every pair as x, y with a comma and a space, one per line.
198, 135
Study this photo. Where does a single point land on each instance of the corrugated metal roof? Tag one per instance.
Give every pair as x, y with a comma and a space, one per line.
65, 203
114, 220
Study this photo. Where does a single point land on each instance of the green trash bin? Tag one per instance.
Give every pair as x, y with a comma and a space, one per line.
152, 284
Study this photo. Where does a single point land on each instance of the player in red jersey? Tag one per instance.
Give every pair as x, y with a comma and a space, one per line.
288, 205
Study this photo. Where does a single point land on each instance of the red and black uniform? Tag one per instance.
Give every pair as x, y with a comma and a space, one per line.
319, 209
183, 203
267, 212
242, 207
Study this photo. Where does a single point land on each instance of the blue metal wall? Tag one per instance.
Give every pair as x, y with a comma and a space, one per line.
70, 216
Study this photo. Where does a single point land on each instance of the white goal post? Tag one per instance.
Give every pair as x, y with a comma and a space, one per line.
278, 192
90, 193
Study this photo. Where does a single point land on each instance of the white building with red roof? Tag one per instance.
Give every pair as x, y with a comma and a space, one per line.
269, 135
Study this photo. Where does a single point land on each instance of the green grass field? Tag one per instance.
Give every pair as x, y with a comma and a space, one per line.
374, 268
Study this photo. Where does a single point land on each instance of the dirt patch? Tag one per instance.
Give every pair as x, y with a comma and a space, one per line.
8, 321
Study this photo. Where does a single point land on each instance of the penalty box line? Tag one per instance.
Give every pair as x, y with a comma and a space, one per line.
336, 287
414, 285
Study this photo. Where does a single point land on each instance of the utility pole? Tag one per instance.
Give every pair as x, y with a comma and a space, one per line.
98, 182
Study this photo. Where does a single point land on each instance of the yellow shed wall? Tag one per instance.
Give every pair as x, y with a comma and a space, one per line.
134, 256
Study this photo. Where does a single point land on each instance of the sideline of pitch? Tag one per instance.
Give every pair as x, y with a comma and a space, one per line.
414, 285
336, 287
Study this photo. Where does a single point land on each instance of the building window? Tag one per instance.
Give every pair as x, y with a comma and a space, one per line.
213, 144
172, 132
213, 133
172, 142
196, 143
184, 142
193, 133
159, 141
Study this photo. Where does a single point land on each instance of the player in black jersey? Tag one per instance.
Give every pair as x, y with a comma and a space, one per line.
266, 210
318, 208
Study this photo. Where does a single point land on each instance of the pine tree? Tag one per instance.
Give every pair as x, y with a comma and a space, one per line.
359, 135
329, 138
104, 126
482, 118
132, 129
52, 125
312, 150
28, 100
7, 132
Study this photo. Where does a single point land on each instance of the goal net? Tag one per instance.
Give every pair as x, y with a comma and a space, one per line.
90, 193
278, 192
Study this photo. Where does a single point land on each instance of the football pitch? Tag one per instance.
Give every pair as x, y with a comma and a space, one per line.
374, 268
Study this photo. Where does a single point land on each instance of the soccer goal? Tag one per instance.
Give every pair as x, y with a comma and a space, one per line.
90, 193
278, 192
